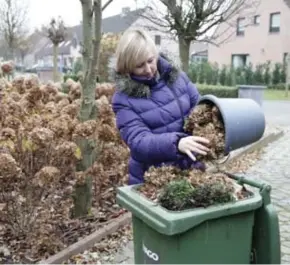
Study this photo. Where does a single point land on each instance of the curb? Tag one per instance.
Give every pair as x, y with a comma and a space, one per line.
270, 138
88, 241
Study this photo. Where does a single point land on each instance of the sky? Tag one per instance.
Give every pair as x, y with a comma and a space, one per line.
41, 11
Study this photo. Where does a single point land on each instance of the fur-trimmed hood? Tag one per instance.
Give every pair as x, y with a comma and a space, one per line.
133, 88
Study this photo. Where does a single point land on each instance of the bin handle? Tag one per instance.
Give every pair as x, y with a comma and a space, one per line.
242, 180
264, 189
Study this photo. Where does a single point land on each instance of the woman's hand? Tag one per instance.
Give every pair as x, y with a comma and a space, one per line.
190, 144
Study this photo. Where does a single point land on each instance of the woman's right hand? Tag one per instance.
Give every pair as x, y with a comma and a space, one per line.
190, 144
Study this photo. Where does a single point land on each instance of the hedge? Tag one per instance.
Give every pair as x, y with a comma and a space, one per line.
219, 91
269, 74
280, 86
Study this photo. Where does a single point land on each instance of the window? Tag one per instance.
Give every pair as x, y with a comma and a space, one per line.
241, 26
157, 39
256, 20
240, 60
198, 58
274, 22
285, 57
74, 42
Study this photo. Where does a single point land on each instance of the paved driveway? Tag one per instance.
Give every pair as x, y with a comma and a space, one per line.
277, 112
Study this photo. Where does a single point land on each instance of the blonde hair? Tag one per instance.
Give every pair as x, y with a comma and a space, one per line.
134, 47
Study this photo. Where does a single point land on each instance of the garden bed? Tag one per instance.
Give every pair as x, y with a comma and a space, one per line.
39, 154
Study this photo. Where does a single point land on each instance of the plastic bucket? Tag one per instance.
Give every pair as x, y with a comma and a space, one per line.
243, 119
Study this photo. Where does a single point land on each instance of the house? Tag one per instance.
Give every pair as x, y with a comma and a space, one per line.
69, 50
167, 43
24, 54
199, 52
257, 35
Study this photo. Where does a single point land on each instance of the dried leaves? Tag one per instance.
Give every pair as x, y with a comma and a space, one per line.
178, 190
74, 90
7, 67
205, 120
8, 166
104, 252
38, 157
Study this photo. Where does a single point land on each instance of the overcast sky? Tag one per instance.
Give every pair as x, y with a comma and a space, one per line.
41, 11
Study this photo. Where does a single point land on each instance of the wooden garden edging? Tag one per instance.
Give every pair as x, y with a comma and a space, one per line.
88, 241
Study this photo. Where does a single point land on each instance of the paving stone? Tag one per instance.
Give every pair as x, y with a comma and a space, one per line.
273, 168
286, 259
285, 250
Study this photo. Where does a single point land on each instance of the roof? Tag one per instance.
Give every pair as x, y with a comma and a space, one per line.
198, 47
120, 22
113, 24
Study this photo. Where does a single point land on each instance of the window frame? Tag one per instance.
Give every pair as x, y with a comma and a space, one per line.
238, 32
271, 28
157, 39
255, 22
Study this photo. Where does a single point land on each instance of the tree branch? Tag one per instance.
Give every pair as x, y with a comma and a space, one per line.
97, 37
107, 4
13, 15
192, 20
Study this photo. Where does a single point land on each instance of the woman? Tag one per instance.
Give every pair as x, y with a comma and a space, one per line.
151, 102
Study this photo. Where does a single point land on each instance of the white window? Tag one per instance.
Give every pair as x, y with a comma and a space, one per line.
241, 26
275, 22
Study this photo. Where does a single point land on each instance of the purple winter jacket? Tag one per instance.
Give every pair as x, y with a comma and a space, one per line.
150, 116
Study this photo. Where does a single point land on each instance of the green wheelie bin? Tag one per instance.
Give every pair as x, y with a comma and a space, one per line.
240, 232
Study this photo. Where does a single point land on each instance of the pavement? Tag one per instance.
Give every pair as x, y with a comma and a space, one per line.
273, 168
277, 112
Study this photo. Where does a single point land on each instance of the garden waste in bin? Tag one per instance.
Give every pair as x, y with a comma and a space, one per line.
224, 233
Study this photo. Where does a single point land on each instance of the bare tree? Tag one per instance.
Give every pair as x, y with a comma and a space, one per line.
23, 46
56, 32
287, 2
13, 22
192, 20
92, 23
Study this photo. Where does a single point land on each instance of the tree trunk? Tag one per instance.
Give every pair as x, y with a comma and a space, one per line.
82, 198
87, 32
11, 48
88, 110
11, 54
55, 55
184, 46
287, 75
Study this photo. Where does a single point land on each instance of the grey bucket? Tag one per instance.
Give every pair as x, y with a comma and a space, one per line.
243, 119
